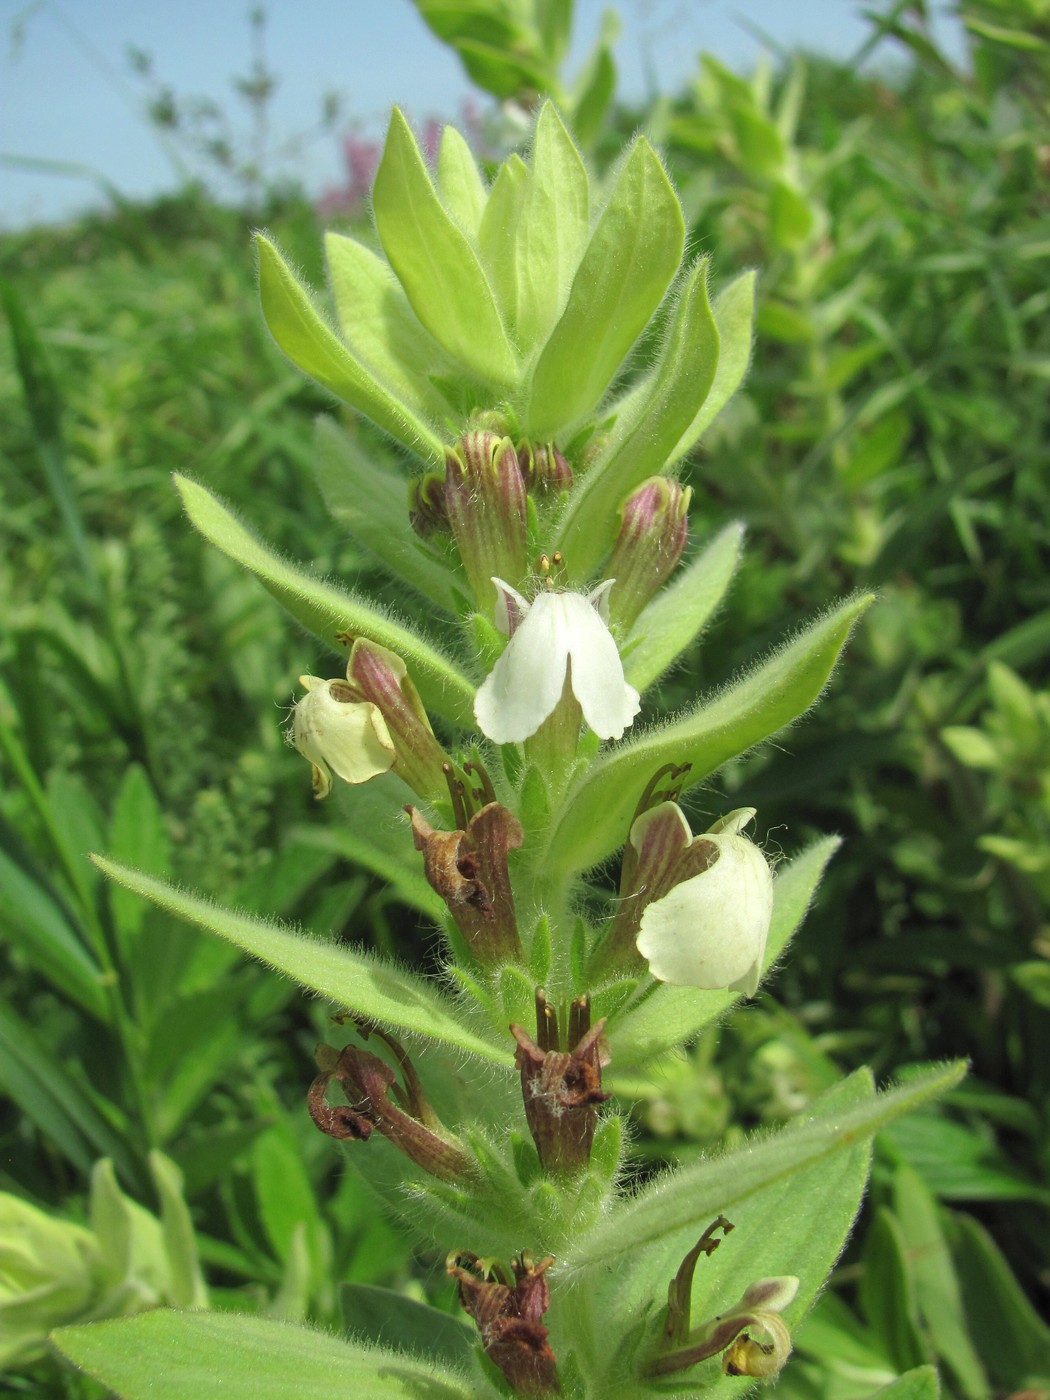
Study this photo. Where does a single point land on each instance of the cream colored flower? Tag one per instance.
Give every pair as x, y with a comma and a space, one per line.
340, 735
710, 931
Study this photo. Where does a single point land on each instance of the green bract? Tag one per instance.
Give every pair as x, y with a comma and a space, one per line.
526, 297
54, 1272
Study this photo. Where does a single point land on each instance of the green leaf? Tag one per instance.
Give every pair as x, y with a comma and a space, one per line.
627, 266
791, 219
733, 311
76, 826
594, 87
393, 996
645, 433
47, 936
460, 182
53, 1099
187, 1282
1012, 38
212, 1021
972, 747
381, 328
503, 213
551, 232
554, 22
692, 1197
886, 1293
164, 1355
287, 1203
671, 1016
365, 835
386, 1318
760, 145
110, 1217
43, 400
1005, 1329
137, 835
314, 347
679, 612
919, 1384
452, 20
497, 69
370, 501
840, 1344
435, 262
935, 1283
325, 610
597, 813
1016, 703
779, 320
958, 1163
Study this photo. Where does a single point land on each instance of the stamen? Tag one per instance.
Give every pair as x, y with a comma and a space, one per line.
485, 793
457, 791
651, 797
547, 1037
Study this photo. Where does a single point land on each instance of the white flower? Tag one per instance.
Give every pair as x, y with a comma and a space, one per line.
347, 736
710, 930
557, 635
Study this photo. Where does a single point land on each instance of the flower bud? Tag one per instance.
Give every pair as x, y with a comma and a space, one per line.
545, 469
426, 505
340, 734
654, 526
487, 511
710, 929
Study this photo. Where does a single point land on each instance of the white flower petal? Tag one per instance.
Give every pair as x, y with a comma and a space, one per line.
599, 598
772, 1294
710, 931
609, 704
511, 607
526, 682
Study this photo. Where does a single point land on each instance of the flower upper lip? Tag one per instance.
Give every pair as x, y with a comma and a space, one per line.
558, 636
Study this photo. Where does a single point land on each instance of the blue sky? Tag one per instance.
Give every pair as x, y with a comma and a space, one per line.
67, 94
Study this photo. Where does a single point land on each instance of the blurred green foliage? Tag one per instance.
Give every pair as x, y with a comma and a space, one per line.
891, 434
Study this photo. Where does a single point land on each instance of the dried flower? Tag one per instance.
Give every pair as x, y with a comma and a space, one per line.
758, 1308
406, 1118
508, 1317
468, 869
562, 1088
